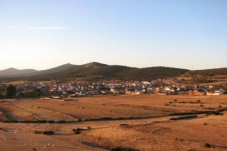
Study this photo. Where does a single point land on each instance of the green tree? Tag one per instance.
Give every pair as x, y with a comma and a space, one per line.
11, 91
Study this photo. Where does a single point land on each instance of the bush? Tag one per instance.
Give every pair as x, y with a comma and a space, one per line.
78, 130
208, 145
48, 132
45, 132
124, 125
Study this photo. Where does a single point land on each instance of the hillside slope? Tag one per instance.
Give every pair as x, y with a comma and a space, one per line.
12, 72
60, 68
96, 70
217, 71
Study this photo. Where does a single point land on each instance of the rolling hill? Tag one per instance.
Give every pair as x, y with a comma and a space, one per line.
96, 71
13, 72
56, 69
217, 71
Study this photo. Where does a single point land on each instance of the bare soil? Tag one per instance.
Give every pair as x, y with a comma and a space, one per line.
146, 122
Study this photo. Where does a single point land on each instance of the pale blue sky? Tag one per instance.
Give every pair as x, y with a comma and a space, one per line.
178, 33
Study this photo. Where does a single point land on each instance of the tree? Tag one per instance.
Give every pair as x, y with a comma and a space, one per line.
11, 91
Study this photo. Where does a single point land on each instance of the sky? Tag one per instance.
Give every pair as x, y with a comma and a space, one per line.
41, 34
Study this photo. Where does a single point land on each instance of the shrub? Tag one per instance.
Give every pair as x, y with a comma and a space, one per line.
123, 149
123, 125
48, 132
45, 132
78, 130
89, 127
208, 145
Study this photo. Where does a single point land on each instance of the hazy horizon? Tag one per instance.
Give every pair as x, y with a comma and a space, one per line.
43, 34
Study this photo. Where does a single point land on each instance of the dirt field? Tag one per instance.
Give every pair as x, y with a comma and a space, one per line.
146, 122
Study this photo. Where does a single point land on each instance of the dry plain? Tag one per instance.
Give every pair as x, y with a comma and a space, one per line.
145, 122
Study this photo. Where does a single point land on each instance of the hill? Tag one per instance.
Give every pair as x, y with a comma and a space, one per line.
13, 72
56, 69
95, 70
154, 73
210, 72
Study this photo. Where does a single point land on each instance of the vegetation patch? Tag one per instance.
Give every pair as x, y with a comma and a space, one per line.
124, 125
192, 102
123, 149
205, 123
80, 130
207, 145
184, 118
215, 113
45, 132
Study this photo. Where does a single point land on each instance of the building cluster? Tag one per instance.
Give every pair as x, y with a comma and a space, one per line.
59, 89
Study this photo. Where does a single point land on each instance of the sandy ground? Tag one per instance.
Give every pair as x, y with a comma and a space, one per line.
147, 122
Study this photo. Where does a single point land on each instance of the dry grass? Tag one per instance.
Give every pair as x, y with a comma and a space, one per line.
116, 122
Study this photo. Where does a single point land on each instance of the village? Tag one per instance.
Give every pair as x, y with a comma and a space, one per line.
58, 89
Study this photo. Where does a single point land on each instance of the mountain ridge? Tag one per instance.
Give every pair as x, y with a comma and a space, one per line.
105, 71
16, 72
